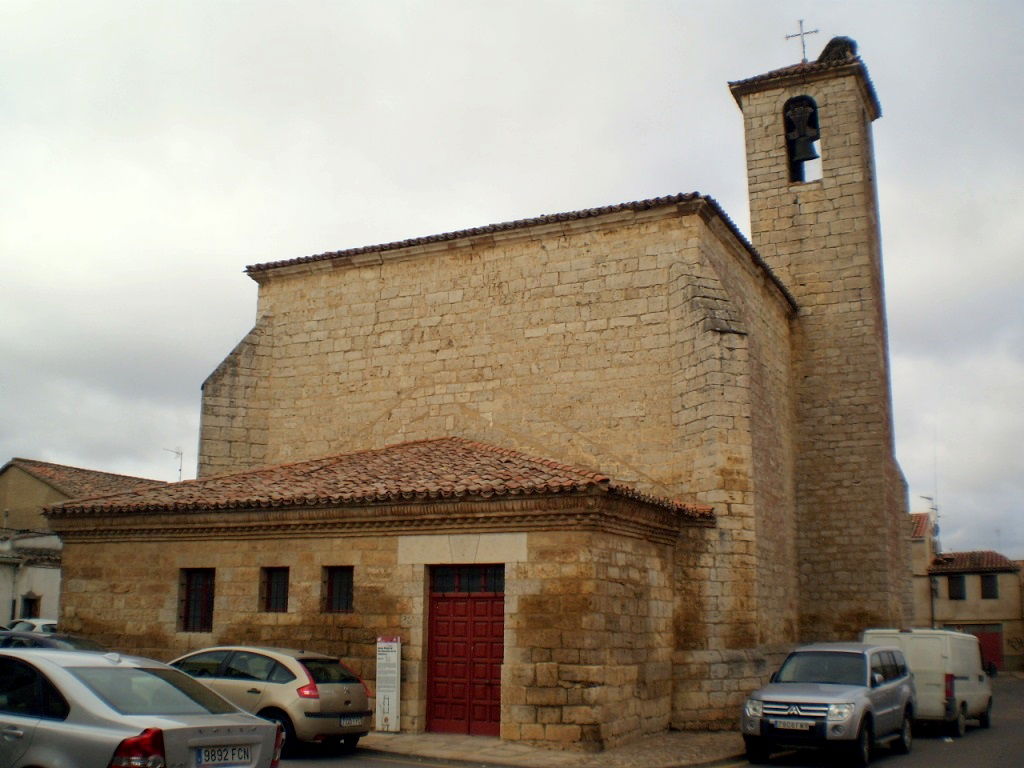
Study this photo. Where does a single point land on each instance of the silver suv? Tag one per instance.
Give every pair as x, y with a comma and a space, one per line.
848, 697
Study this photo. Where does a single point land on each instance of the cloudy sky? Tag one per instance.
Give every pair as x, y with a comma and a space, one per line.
151, 150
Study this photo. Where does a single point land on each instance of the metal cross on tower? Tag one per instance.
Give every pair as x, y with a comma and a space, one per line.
802, 34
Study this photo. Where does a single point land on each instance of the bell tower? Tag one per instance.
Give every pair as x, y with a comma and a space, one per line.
817, 229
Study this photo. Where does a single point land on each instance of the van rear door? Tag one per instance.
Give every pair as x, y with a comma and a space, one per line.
928, 660
972, 685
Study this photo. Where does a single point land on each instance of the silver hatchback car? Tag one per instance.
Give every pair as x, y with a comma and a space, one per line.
81, 709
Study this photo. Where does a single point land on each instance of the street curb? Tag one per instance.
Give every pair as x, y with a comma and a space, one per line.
714, 763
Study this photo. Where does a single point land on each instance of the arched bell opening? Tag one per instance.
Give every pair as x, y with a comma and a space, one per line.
800, 115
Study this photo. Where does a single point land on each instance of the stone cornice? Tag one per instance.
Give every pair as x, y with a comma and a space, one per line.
584, 512
809, 73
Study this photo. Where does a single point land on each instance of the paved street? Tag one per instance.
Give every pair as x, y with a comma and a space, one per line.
999, 747
365, 759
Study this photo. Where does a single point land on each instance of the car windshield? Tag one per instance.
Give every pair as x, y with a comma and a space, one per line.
823, 667
151, 691
328, 671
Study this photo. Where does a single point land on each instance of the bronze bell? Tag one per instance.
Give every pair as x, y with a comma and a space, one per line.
803, 149
802, 131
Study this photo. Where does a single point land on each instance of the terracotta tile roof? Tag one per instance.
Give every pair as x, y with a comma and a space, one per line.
971, 562
552, 218
75, 483
445, 468
920, 525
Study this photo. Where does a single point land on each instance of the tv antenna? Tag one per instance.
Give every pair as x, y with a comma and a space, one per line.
180, 454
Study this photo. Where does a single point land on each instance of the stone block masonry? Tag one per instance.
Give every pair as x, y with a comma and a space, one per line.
649, 344
822, 239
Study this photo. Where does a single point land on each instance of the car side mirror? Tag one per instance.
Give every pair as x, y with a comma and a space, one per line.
773, 677
877, 679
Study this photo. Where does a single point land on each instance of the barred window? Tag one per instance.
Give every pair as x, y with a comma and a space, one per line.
336, 589
195, 599
274, 590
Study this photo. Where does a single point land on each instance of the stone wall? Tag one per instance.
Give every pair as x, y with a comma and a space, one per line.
565, 341
589, 631
822, 239
647, 345
236, 405
710, 686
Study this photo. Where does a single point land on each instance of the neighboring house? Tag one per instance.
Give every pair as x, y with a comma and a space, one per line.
30, 554
976, 592
645, 341
923, 546
980, 593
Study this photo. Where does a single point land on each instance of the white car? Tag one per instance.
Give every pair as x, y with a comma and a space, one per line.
33, 625
81, 709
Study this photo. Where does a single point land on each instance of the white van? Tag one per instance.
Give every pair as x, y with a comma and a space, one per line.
952, 687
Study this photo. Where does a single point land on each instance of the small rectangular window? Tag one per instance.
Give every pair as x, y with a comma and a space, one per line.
990, 586
274, 590
955, 585
336, 589
195, 600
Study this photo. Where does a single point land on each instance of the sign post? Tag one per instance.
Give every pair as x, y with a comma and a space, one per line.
389, 683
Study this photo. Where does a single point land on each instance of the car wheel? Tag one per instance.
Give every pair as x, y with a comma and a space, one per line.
958, 727
906, 739
291, 743
860, 751
758, 753
350, 742
985, 718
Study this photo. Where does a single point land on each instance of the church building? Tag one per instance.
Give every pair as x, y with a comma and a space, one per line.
598, 469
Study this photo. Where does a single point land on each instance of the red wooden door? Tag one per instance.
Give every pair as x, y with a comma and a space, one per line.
465, 649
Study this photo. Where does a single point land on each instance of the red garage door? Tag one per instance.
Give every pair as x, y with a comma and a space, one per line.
465, 649
990, 638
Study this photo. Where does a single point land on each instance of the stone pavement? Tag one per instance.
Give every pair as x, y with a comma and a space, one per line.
673, 749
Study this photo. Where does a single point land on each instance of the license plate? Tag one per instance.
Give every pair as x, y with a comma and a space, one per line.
234, 755
792, 725
352, 720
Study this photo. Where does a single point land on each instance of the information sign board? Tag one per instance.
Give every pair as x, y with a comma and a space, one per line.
389, 683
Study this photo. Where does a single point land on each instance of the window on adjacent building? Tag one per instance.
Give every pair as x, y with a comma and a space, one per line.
955, 585
274, 590
195, 600
990, 586
336, 589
